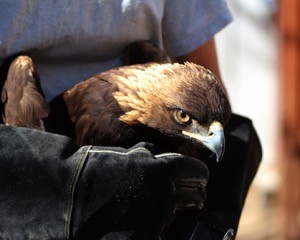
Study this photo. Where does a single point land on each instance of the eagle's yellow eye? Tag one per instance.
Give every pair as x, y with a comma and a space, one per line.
182, 117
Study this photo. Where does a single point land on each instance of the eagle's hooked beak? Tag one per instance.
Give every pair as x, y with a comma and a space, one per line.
214, 141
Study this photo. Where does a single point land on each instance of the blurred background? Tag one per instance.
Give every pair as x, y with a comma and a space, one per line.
259, 57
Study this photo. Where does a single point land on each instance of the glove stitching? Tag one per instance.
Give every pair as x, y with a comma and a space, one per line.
71, 191
121, 153
168, 154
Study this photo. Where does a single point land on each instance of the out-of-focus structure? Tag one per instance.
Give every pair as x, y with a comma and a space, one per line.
289, 32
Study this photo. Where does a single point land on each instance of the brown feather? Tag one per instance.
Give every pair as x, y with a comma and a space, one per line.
23, 99
94, 111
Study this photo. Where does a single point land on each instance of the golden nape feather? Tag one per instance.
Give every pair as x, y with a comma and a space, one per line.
143, 88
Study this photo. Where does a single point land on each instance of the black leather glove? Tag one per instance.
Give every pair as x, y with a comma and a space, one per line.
134, 192
50, 189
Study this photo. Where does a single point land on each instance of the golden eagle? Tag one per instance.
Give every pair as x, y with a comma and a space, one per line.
163, 103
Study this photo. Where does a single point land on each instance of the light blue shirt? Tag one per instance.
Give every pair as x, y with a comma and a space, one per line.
70, 40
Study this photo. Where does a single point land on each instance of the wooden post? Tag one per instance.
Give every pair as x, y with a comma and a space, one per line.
289, 30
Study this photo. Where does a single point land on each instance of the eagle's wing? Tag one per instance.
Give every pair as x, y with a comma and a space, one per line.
22, 97
94, 111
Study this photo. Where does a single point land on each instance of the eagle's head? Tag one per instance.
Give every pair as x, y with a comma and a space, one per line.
179, 100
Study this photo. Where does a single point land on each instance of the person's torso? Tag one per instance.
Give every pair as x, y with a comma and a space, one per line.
72, 40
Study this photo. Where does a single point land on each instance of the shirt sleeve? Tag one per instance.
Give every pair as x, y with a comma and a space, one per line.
189, 24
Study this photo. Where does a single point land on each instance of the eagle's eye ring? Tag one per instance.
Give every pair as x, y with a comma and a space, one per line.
182, 117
